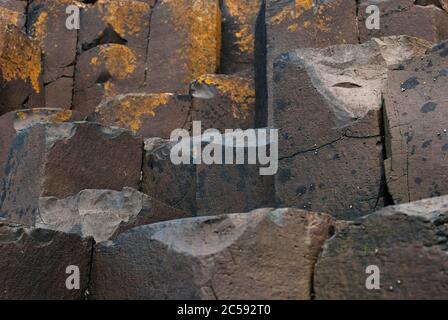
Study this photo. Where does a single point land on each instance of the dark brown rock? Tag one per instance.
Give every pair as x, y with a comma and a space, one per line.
265, 254
404, 17
292, 24
408, 243
328, 108
417, 139
224, 102
60, 160
150, 115
185, 43
34, 263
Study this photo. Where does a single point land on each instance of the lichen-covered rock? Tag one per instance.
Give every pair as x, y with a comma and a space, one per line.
102, 214
20, 70
150, 115
405, 17
224, 102
34, 263
13, 12
46, 23
238, 35
185, 43
416, 109
408, 243
328, 109
292, 24
265, 254
60, 160
113, 42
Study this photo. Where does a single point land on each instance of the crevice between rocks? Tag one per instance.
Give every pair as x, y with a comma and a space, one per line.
261, 92
87, 290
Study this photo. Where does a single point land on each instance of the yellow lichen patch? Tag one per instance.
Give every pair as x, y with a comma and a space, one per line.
61, 116
20, 59
40, 27
129, 110
240, 91
9, 16
242, 11
293, 11
200, 20
119, 60
125, 17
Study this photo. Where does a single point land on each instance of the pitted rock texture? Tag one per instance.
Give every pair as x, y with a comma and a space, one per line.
223, 257
328, 108
408, 243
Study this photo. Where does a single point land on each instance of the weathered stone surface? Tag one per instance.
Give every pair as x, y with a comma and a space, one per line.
224, 102
102, 214
405, 17
328, 109
184, 44
34, 262
46, 23
60, 160
292, 24
15, 121
266, 254
408, 243
174, 185
13, 12
20, 70
113, 43
238, 35
416, 109
150, 115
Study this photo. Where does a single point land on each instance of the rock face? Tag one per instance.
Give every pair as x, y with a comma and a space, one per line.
61, 160
408, 243
185, 43
224, 257
421, 19
102, 214
150, 115
239, 18
34, 263
417, 139
224, 102
13, 12
328, 107
292, 24
20, 70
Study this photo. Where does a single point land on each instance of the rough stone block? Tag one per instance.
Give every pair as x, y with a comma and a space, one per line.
266, 254
404, 17
60, 160
185, 43
150, 115
328, 109
416, 109
408, 243
34, 263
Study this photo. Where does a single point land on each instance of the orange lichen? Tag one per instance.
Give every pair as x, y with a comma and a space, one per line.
293, 11
45, 115
242, 11
200, 20
241, 92
9, 16
20, 59
129, 109
124, 16
40, 27
119, 60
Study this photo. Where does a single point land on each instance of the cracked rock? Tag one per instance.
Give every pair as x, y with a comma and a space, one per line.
102, 214
404, 17
184, 44
328, 108
408, 243
416, 110
60, 160
265, 254
150, 115
34, 263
